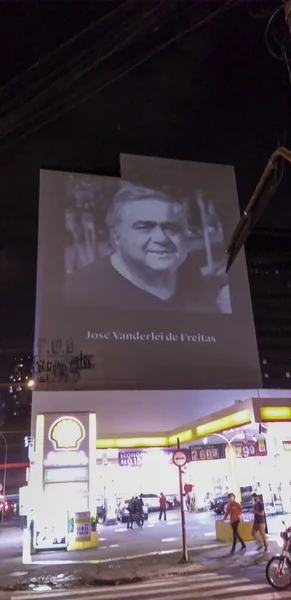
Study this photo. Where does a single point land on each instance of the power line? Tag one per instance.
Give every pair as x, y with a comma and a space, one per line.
267, 32
76, 62
9, 124
54, 53
75, 101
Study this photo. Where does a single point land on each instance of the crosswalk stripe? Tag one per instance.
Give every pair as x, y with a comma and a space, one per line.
128, 592
264, 596
202, 584
207, 580
170, 581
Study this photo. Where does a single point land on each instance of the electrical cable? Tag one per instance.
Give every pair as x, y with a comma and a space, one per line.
124, 71
287, 62
267, 32
45, 110
143, 59
4, 123
66, 44
8, 124
75, 62
265, 12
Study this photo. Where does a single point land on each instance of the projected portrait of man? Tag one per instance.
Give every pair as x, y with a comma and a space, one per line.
148, 267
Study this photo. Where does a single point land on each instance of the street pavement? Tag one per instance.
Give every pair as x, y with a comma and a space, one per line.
211, 585
116, 541
146, 555
154, 537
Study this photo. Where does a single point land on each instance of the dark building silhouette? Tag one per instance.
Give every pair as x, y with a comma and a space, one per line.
268, 254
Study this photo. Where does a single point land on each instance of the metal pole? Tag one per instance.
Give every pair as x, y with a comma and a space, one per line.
183, 523
4, 477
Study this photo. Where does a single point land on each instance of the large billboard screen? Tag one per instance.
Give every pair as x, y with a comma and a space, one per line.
131, 284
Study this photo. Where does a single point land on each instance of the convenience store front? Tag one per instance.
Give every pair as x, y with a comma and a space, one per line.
247, 446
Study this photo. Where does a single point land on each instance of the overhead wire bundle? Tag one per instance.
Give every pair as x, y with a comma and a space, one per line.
127, 39
76, 59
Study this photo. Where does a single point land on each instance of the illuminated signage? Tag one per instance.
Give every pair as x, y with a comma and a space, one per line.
137, 458
206, 452
50, 533
66, 474
184, 436
275, 413
142, 442
249, 449
69, 488
242, 417
66, 459
67, 433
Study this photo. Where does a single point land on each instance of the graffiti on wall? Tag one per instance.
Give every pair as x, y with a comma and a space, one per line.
57, 361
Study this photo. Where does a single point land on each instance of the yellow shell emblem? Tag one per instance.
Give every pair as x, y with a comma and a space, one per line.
67, 433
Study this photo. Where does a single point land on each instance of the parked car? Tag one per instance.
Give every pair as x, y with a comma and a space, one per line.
219, 503
152, 501
122, 511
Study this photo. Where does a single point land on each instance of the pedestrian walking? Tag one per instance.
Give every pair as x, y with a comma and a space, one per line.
234, 511
259, 525
163, 506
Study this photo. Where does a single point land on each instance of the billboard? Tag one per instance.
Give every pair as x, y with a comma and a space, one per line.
131, 284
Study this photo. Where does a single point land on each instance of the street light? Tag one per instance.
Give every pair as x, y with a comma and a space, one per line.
231, 460
30, 383
5, 472
238, 436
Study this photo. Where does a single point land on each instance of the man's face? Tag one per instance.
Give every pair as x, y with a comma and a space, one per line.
232, 498
152, 233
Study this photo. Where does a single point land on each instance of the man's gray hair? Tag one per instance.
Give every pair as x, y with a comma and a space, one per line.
130, 192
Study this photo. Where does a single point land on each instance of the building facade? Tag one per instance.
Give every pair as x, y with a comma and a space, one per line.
269, 267
142, 342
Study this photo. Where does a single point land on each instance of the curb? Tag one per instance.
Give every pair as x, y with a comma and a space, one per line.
124, 558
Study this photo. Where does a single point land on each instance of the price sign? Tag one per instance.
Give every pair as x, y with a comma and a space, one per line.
131, 458
249, 449
206, 452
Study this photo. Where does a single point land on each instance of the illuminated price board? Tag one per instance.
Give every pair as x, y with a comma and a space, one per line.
206, 452
250, 448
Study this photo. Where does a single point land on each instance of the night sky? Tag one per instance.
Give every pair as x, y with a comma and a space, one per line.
215, 95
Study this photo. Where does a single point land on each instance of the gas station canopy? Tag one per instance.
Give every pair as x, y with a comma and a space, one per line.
249, 413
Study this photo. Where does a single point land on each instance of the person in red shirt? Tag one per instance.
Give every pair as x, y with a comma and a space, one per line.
163, 506
234, 511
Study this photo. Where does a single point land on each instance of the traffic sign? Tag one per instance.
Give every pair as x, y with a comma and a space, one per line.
179, 458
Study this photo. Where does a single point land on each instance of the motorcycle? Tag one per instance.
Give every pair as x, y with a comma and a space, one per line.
278, 569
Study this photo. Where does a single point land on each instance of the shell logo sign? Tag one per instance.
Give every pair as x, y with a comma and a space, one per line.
67, 433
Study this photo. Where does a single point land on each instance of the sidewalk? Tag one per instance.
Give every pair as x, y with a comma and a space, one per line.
128, 570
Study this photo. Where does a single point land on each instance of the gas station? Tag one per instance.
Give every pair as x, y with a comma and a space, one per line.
62, 490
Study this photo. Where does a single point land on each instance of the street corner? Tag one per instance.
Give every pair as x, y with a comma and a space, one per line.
48, 581
240, 559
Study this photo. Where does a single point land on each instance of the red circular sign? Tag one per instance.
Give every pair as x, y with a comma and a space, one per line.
179, 458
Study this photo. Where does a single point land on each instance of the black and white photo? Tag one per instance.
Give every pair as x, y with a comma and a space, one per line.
143, 250
131, 285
